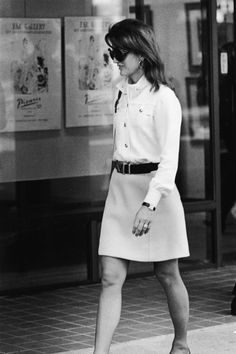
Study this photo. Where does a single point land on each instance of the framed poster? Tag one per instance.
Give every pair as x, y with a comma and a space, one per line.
194, 25
30, 75
91, 75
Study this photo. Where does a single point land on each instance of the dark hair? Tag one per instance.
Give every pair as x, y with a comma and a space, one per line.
139, 38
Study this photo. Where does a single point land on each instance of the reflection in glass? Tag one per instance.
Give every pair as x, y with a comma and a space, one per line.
184, 53
199, 229
225, 9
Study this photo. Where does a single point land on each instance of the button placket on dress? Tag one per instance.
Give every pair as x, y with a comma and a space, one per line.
126, 127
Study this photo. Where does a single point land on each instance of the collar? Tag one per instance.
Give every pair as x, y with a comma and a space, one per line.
139, 85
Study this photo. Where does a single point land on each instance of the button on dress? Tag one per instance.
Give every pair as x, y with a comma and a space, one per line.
146, 129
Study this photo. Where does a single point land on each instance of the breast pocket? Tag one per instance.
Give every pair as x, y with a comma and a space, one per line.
141, 113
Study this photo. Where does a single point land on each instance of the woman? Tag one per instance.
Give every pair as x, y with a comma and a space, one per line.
143, 218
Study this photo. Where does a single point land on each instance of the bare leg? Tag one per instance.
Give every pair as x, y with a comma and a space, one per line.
114, 271
168, 274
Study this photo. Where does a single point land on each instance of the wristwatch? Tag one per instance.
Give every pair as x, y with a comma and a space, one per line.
149, 206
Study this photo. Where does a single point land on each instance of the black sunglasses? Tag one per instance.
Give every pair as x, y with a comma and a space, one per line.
118, 54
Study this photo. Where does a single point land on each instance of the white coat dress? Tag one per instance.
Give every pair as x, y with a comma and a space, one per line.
146, 129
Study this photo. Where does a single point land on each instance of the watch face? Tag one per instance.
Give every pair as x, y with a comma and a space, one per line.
151, 207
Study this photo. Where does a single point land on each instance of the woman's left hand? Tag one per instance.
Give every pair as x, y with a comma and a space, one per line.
142, 221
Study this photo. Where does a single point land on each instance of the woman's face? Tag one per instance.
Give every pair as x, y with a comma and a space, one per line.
130, 66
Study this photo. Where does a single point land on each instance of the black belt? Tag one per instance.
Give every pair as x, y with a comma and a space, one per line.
130, 168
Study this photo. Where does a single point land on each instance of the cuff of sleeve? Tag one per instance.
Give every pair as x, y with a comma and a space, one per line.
153, 197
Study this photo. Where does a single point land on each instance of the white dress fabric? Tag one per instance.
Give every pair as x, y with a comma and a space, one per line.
146, 129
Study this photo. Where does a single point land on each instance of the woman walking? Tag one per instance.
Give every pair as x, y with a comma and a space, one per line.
143, 218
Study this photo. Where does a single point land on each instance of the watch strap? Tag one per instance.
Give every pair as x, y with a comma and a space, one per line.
149, 206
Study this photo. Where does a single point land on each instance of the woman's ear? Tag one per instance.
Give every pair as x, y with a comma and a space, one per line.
141, 61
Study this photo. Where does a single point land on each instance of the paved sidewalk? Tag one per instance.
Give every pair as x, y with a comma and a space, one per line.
211, 340
63, 320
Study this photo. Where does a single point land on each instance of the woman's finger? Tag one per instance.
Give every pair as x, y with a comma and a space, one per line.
138, 231
136, 223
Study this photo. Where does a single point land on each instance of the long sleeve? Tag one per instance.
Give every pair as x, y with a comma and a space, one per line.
168, 118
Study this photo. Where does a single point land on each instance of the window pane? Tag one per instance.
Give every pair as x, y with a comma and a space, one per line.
199, 228
185, 56
53, 183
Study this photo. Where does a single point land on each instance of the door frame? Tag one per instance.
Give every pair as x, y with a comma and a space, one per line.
212, 205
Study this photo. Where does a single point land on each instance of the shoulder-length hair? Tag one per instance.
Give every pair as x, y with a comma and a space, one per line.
135, 36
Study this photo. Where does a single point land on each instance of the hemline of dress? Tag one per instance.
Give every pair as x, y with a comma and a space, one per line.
128, 258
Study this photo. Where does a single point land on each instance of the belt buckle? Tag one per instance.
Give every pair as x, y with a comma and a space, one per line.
129, 168
120, 167
123, 170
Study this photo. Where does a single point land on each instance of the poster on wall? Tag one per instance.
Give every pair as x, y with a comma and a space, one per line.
91, 75
30, 75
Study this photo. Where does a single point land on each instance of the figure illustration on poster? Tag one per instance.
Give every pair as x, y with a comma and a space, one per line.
91, 75
30, 72
94, 68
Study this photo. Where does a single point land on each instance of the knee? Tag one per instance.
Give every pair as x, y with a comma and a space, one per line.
112, 278
167, 277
